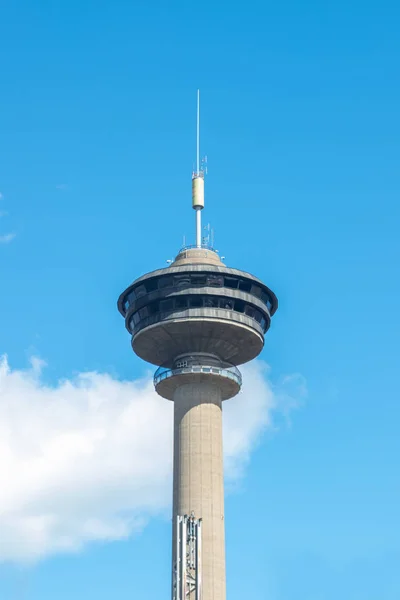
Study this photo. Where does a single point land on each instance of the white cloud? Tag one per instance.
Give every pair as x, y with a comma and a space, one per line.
90, 458
7, 238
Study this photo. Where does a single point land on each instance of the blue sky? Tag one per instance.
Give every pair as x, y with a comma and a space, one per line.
301, 126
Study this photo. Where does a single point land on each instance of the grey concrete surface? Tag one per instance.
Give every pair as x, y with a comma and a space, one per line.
198, 476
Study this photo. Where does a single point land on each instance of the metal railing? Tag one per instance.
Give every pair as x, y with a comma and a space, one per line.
203, 246
229, 372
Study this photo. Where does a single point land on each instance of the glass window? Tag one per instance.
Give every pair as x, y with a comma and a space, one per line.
256, 290
257, 316
196, 301
226, 303
131, 297
182, 280
153, 308
215, 280
126, 305
166, 305
266, 299
239, 306
230, 282
136, 318
249, 310
181, 302
210, 302
165, 282
143, 312
198, 279
152, 285
263, 323
140, 291
244, 285
181, 364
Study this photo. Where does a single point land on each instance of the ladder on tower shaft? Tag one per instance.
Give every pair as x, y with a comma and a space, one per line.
187, 568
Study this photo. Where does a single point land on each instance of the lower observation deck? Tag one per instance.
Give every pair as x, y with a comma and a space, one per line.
228, 379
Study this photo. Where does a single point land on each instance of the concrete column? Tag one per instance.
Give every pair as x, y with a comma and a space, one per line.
198, 476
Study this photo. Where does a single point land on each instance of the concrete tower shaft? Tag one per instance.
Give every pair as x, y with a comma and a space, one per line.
198, 476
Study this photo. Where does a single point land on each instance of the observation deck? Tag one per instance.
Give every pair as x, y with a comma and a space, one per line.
227, 378
197, 305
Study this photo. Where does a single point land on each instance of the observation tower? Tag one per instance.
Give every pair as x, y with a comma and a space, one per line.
198, 320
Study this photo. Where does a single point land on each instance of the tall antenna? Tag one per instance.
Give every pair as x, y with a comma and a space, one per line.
198, 180
198, 132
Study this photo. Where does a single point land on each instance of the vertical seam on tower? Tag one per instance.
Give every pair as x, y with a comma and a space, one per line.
190, 480
201, 466
212, 494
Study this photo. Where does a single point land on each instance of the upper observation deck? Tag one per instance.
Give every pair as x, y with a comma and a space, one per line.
197, 304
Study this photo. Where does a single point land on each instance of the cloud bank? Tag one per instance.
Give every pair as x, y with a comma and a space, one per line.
90, 459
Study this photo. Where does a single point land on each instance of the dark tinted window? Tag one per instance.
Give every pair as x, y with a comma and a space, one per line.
230, 282
239, 306
198, 279
166, 305
249, 310
143, 312
152, 285
153, 308
140, 291
210, 302
196, 302
131, 297
165, 282
266, 299
136, 318
256, 290
215, 280
181, 280
244, 285
226, 303
257, 316
181, 302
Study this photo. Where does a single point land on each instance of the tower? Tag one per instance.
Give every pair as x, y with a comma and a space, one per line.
198, 320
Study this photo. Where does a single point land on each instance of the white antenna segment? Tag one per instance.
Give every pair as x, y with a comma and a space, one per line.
198, 180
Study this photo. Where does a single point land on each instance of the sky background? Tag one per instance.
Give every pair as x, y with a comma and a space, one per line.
300, 123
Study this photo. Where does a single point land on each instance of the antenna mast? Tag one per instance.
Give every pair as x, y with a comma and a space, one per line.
198, 132
198, 180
